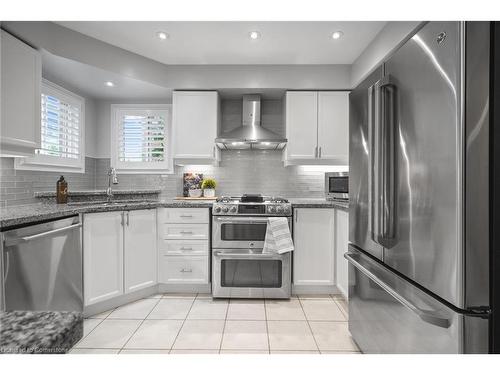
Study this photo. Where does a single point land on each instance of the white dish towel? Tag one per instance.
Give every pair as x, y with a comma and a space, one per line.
278, 238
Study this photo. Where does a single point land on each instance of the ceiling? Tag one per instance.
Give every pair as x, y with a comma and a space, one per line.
90, 81
229, 42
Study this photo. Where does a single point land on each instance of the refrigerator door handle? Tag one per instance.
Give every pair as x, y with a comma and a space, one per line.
386, 137
427, 316
373, 100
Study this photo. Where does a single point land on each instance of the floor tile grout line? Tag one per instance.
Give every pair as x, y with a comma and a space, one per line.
224, 328
309, 325
267, 329
183, 322
139, 326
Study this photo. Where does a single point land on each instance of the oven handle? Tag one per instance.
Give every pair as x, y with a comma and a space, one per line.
224, 254
250, 220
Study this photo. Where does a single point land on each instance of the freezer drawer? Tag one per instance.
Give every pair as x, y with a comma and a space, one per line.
389, 315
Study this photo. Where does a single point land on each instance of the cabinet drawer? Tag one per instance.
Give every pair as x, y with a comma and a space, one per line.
184, 247
184, 269
184, 231
184, 215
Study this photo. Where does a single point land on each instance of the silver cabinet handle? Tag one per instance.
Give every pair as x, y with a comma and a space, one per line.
184, 270
316, 151
15, 241
186, 216
122, 222
186, 232
186, 248
319, 152
426, 316
128, 218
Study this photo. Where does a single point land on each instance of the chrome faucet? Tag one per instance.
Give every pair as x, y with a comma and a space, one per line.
112, 178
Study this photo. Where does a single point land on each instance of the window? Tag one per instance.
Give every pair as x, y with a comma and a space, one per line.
62, 132
140, 138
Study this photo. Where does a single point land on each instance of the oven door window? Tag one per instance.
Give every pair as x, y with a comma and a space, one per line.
243, 231
251, 273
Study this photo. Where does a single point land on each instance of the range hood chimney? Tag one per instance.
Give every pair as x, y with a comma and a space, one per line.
251, 135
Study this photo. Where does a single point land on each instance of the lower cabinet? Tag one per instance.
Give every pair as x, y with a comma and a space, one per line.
341, 246
183, 244
314, 255
120, 253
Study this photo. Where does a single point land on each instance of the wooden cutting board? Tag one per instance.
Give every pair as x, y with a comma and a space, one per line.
195, 199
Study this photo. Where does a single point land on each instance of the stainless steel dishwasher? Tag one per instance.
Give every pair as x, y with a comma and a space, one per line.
42, 266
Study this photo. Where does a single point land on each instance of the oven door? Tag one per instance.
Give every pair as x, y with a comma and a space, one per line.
239, 232
250, 274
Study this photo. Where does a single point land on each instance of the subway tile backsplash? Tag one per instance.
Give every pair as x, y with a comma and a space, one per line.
240, 171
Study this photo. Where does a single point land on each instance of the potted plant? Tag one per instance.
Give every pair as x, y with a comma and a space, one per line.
208, 185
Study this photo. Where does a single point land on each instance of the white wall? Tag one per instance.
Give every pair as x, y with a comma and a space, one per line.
102, 137
386, 41
73, 45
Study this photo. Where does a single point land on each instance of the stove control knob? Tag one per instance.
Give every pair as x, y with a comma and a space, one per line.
271, 209
233, 209
279, 210
225, 210
217, 209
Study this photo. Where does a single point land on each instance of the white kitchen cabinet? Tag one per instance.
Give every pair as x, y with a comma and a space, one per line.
183, 243
21, 77
333, 126
120, 253
103, 256
341, 242
301, 114
317, 127
140, 250
196, 121
314, 255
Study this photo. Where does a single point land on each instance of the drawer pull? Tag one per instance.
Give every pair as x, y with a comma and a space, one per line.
184, 270
186, 215
186, 248
186, 232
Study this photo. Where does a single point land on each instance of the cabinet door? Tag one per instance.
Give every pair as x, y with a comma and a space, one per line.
333, 125
341, 243
313, 258
103, 256
301, 124
195, 123
140, 250
21, 77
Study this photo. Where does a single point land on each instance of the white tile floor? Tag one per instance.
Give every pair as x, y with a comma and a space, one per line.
190, 323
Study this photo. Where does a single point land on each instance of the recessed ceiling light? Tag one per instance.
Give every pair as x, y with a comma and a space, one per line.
337, 34
162, 35
109, 84
254, 35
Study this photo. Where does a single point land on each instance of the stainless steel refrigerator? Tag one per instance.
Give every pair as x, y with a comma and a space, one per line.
418, 215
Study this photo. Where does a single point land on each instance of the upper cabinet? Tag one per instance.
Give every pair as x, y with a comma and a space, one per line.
317, 127
195, 124
21, 79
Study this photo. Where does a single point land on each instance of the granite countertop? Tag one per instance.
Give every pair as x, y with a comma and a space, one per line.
32, 213
48, 332
318, 203
51, 194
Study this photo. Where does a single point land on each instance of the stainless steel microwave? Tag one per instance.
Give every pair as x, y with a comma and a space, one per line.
337, 185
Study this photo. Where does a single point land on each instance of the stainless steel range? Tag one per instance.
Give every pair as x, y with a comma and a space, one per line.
239, 268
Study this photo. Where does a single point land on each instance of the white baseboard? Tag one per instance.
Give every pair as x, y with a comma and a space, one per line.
315, 289
100, 307
185, 288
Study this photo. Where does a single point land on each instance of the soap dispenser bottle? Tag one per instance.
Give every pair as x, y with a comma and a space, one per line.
62, 190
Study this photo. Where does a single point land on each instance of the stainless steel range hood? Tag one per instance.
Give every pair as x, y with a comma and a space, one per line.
251, 135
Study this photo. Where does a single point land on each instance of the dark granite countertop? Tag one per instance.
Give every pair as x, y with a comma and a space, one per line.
51, 194
318, 203
32, 213
33, 332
